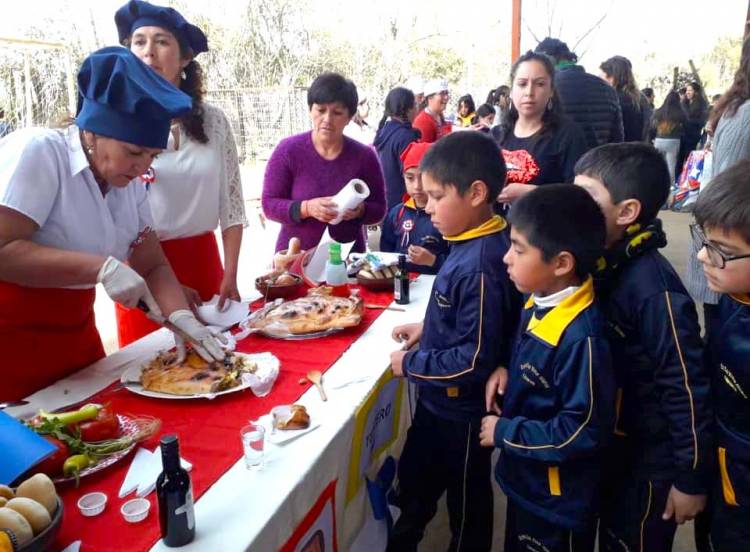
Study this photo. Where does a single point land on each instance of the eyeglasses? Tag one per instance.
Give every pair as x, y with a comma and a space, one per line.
716, 256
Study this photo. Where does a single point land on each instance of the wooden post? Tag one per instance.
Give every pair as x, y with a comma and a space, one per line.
675, 76
747, 20
515, 48
28, 98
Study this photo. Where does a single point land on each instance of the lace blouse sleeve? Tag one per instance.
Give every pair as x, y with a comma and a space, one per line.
231, 201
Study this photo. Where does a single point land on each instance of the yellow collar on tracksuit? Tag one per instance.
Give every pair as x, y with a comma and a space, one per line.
492, 226
551, 327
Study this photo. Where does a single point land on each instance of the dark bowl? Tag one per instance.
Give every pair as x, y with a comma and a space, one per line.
44, 540
375, 284
271, 292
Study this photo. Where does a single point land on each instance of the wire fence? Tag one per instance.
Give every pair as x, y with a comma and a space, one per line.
261, 117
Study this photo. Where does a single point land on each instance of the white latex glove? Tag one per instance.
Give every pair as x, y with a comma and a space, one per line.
205, 343
125, 286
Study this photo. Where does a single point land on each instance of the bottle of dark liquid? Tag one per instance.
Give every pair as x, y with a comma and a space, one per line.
401, 282
175, 495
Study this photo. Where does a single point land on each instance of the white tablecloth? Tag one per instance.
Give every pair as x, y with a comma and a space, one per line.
258, 510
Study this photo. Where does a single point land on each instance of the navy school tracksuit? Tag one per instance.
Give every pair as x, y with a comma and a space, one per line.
405, 225
728, 357
468, 328
557, 414
662, 429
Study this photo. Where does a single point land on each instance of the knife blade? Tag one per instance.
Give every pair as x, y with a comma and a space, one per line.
164, 322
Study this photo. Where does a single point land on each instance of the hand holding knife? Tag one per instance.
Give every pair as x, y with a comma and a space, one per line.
186, 328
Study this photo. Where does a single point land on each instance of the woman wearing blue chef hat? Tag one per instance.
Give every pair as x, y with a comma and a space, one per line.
70, 218
196, 181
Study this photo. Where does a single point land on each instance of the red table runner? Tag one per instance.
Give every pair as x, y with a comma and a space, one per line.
208, 431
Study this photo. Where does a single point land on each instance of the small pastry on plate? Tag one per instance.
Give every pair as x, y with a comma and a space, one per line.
290, 417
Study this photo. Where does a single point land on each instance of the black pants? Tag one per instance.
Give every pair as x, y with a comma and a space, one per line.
730, 523
444, 455
631, 517
525, 532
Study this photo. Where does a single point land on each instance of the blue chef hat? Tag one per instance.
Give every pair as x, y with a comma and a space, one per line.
121, 97
136, 14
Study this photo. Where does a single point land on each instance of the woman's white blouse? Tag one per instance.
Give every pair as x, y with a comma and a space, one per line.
197, 187
44, 174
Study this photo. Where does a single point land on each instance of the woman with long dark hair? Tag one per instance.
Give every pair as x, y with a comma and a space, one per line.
618, 72
696, 108
668, 125
195, 184
466, 115
394, 134
540, 146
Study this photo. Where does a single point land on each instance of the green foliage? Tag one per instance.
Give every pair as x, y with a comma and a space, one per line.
436, 62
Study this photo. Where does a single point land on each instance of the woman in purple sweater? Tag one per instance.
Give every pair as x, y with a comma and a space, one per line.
306, 170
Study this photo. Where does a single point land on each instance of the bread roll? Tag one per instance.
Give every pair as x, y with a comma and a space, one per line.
3, 501
285, 280
6, 492
295, 246
36, 514
40, 488
366, 274
17, 524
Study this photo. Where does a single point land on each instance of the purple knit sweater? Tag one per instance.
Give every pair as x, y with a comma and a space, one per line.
296, 172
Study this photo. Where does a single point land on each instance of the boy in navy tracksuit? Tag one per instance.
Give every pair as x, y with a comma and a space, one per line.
722, 214
465, 335
407, 228
659, 462
558, 390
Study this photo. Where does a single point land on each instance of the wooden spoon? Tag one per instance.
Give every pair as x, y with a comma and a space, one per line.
316, 378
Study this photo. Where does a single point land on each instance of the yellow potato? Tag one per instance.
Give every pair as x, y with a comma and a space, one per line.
6, 492
3, 501
40, 488
17, 524
36, 514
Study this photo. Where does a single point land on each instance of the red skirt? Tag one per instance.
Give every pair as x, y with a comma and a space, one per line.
45, 334
196, 263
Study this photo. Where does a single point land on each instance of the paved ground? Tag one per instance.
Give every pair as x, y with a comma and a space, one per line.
257, 250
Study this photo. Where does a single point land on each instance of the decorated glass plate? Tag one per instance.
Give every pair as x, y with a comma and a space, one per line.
128, 427
298, 337
131, 379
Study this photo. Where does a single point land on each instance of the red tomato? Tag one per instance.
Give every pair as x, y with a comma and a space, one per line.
53, 464
104, 426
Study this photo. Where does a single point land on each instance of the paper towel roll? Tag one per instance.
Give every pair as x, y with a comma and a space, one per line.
350, 196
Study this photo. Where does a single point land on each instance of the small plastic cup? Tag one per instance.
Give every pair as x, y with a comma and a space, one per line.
135, 510
92, 504
253, 439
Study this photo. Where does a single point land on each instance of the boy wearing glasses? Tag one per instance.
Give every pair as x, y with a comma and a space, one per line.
722, 214
659, 460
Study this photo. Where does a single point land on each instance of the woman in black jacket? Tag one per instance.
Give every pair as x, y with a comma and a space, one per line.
636, 114
668, 125
696, 109
394, 134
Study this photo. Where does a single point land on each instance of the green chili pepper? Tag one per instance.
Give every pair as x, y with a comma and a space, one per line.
88, 412
74, 464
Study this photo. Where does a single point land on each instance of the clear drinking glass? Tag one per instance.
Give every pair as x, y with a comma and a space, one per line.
253, 439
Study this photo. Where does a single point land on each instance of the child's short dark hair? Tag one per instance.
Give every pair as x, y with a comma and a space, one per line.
331, 88
562, 217
725, 204
629, 171
463, 157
